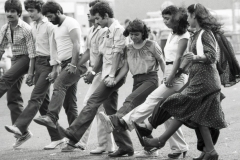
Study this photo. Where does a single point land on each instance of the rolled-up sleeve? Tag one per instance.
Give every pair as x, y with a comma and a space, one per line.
53, 51
119, 41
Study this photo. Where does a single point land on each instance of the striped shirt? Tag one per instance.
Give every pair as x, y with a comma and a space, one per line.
22, 42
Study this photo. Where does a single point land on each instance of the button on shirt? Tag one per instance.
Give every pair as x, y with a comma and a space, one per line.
61, 40
42, 32
113, 42
22, 42
93, 41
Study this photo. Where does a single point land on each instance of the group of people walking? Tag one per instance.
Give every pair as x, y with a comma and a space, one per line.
49, 51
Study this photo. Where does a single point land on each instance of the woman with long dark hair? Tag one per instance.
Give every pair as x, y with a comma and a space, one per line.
198, 105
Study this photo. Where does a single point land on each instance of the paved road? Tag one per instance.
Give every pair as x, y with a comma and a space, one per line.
228, 145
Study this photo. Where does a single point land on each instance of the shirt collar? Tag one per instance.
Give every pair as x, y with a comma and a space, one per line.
20, 22
43, 20
115, 23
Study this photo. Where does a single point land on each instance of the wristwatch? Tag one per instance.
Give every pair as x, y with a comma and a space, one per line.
93, 73
111, 76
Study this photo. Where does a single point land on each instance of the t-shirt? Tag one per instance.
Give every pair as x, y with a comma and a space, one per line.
62, 38
171, 47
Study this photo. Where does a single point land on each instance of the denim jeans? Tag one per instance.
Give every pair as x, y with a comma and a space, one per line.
64, 93
39, 99
11, 83
86, 116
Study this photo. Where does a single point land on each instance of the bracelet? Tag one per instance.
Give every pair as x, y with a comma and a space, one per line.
70, 64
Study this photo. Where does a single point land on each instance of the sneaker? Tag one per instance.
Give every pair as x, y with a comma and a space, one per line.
146, 154
106, 122
22, 139
54, 144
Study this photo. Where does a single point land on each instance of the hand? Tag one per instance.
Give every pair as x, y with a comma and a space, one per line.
110, 82
30, 80
71, 69
168, 81
189, 56
52, 76
88, 78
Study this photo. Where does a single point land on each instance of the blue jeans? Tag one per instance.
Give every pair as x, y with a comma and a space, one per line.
64, 94
11, 83
39, 98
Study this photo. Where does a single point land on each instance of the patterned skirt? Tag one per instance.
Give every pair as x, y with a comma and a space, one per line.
200, 102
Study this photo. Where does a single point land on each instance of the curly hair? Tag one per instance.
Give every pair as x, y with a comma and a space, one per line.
102, 8
13, 4
179, 17
137, 25
204, 18
37, 4
51, 7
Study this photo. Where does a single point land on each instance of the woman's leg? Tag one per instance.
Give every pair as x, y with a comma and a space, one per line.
206, 135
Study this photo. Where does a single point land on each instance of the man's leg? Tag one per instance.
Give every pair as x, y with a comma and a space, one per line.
70, 103
86, 116
11, 83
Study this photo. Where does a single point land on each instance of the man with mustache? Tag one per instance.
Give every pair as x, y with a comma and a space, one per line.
19, 35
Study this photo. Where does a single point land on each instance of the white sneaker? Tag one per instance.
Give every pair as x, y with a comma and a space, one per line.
22, 139
99, 150
54, 144
13, 129
146, 154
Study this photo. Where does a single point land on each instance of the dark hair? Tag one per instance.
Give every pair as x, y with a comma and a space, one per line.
179, 17
137, 26
91, 4
37, 4
13, 4
102, 8
51, 7
204, 18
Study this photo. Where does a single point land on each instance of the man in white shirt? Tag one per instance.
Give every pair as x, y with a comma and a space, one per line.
66, 43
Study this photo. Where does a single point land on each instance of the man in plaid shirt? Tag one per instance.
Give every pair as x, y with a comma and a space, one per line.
19, 35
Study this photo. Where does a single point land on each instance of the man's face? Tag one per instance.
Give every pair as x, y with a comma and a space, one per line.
12, 15
34, 14
53, 18
100, 21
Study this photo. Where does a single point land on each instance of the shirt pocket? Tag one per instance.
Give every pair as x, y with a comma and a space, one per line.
18, 39
94, 48
109, 41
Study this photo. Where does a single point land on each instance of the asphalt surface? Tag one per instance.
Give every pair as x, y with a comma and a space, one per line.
228, 145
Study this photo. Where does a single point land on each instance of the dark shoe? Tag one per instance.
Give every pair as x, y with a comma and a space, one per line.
141, 132
153, 142
67, 134
200, 157
177, 155
120, 153
45, 121
212, 155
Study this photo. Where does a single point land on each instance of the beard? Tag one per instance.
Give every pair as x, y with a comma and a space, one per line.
56, 20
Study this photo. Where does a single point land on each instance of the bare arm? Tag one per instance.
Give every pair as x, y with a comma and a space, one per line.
123, 71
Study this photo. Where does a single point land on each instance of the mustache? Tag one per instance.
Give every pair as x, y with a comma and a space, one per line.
9, 17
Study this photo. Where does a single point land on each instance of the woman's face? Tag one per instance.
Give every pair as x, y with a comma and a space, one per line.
191, 20
136, 37
168, 20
